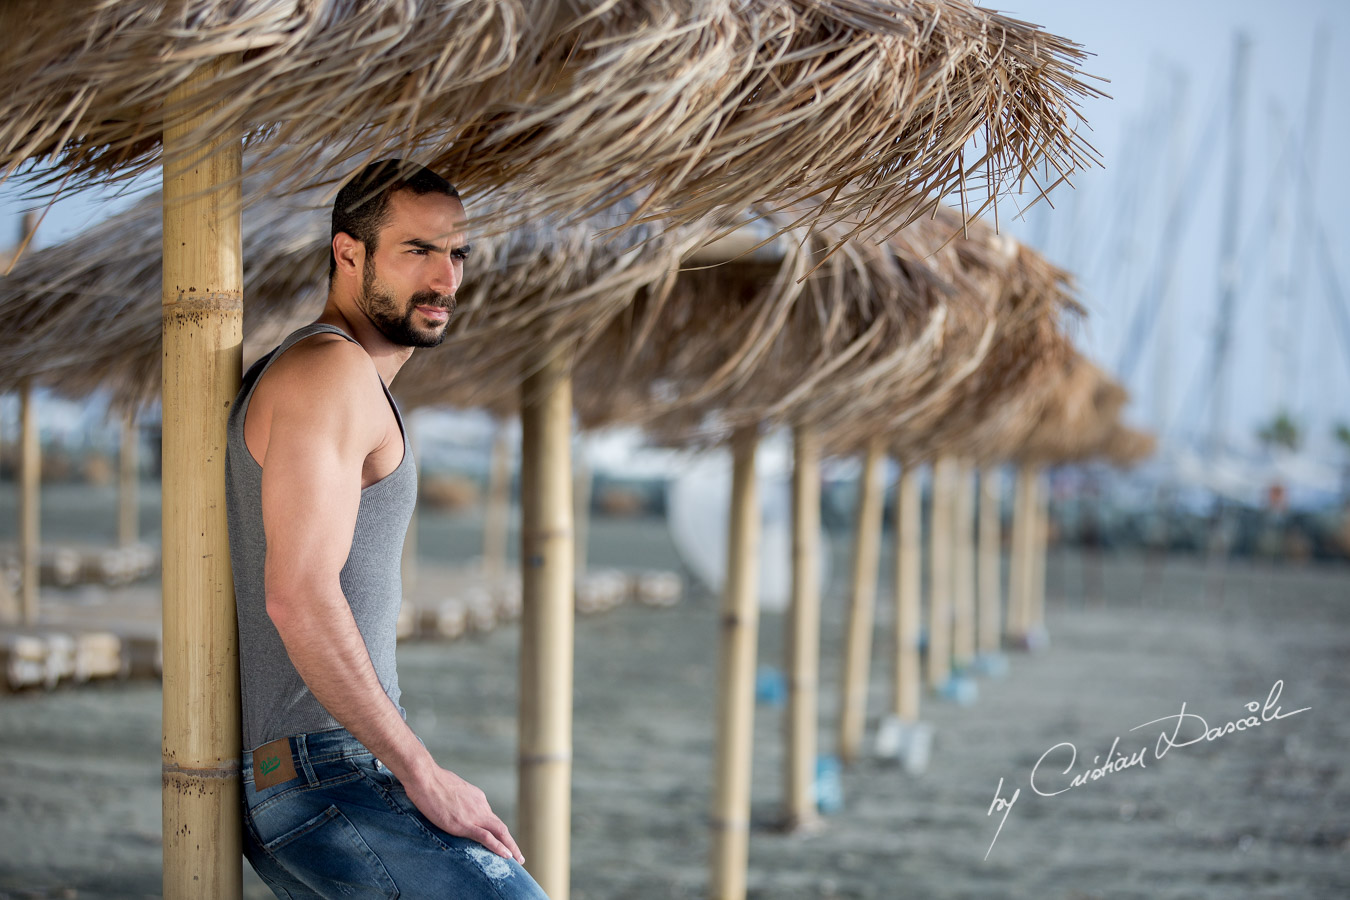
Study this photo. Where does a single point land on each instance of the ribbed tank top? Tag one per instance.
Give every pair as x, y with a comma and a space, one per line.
276, 703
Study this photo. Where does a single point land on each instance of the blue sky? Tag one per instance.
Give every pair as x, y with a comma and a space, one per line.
1166, 62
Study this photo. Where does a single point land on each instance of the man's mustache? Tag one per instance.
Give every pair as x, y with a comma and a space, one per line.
431, 298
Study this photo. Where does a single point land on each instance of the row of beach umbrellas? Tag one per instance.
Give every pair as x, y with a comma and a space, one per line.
945, 341
603, 148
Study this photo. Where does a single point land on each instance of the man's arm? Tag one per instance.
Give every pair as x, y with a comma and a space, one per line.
328, 413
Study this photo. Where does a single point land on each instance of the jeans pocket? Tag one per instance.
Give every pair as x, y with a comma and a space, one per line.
329, 855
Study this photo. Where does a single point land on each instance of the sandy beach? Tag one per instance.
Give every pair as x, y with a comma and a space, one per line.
1260, 812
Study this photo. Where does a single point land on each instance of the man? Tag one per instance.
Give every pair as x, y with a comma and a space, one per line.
341, 798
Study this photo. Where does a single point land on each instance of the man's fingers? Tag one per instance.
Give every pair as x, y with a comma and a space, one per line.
489, 840
504, 835
497, 828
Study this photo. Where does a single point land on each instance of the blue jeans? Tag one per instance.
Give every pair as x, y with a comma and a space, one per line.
344, 827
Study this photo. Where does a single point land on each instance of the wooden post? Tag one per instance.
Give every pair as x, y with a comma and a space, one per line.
128, 483
730, 821
496, 519
30, 501
940, 576
24, 607
1022, 543
1040, 535
858, 641
963, 563
10, 611
547, 557
990, 586
203, 339
803, 632
581, 492
1012, 628
908, 536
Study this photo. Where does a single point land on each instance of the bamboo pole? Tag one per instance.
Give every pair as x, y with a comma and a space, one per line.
730, 821
496, 519
940, 577
990, 587
203, 339
1040, 535
9, 602
1019, 565
908, 679
1012, 627
547, 558
30, 500
803, 632
24, 607
963, 562
581, 494
858, 643
128, 483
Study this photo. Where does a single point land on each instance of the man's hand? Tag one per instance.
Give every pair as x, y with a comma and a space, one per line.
458, 807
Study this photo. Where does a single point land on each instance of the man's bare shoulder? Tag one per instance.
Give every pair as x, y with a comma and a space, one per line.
327, 364
323, 379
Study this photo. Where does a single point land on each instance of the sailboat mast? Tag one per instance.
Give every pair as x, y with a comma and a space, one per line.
1228, 248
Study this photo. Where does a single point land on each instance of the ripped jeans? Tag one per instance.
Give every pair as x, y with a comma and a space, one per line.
344, 827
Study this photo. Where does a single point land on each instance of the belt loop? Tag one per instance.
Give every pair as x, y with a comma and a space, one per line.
302, 757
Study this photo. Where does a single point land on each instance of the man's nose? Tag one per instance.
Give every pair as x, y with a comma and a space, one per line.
446, 278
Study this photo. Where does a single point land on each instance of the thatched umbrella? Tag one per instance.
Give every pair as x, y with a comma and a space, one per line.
80, 100
747, 343
741, 357
974, 361
869, 105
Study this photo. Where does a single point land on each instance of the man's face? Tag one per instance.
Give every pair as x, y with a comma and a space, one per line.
408, 284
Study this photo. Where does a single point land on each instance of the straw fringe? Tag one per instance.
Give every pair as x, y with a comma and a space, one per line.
872, 108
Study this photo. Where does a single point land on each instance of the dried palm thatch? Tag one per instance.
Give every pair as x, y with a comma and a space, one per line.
1031, 302
85, 314
780, 336
918, 338
1000, 327
1079, 417
75, 326
873, 107
1125, 447
911, 325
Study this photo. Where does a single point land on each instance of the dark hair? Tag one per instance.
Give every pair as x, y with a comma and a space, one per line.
362, 206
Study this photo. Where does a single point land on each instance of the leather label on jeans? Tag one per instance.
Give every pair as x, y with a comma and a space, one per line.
273, 765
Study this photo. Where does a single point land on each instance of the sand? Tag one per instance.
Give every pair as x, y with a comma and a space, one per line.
1263, 812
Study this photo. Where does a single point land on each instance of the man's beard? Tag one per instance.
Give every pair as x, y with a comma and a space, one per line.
395, 322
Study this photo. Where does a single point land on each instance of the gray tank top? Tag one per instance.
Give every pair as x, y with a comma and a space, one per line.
276, 702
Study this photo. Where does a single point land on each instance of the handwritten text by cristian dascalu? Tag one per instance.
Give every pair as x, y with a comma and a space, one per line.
1049, 779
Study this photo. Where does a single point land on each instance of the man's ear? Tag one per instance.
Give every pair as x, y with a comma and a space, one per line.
349, 253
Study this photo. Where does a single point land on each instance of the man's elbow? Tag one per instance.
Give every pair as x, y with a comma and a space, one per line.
282, 606
291, 605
